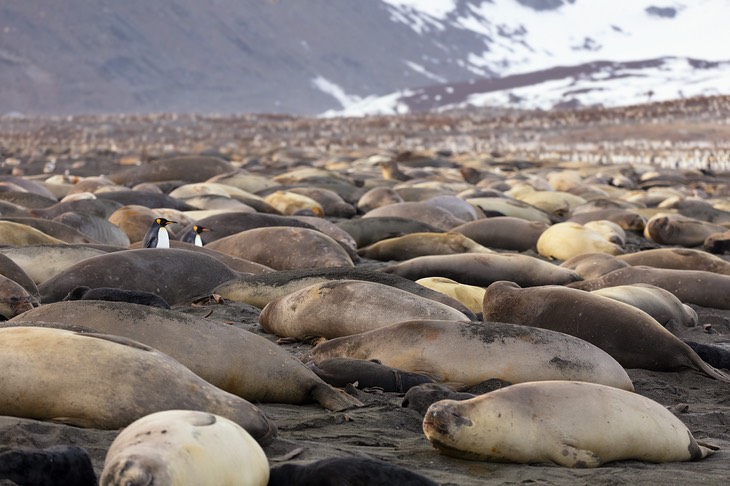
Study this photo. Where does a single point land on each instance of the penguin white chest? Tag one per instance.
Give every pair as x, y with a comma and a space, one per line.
163, 239
198, 240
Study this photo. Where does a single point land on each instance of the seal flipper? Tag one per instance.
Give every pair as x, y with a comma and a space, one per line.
332, 399
570, 456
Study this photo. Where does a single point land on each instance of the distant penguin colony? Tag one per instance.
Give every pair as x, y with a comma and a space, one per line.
157, 236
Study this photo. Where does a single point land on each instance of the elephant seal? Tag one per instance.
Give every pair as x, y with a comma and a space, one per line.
13, 271
185, 447
98, 229
231, 223
420, 397
377, 197
41, 262
678, 259
469, 295
284, 248
628, 334
536, 422
713, 355
366, 231
344, 307
59, 465
188, 168
609, 230
706, 289
55, 229
341, 372
17, 234
177, 276
14, 299
337, 471
107, 382
118, 295
466, 353
421, 244
504, 232
290, 203
675, 229
566, 240
627, 219
259, 290
592, 265
435, 216
232, 359
482, 269
660, 304
718, 243
501, 206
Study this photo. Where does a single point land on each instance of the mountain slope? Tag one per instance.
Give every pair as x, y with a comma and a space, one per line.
307, 57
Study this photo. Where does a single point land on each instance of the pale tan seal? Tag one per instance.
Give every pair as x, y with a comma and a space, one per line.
469, 295
234, 360
345, 307
628, 334
284, 248
421, 244
106, 382
660, 304
571, 424
289, 203
467, 353
482, 269
609, 230
185, 447
17, 234
566, 240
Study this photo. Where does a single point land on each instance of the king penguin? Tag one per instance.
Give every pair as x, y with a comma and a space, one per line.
194, 235
157, 236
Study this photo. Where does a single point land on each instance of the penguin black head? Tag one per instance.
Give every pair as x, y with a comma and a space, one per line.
200, 229
163, 222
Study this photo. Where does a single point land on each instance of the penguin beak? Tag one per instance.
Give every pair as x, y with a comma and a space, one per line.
170, 222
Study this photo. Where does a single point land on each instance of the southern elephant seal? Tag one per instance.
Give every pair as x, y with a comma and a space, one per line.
504, 232
41, 262
118, 295
659, 303
344, 307
628, 334
17, 234
189, 168
13, 271
420, 397
177, 276
421, 244
232, 359
366, 374
284, 248
96, 228
55, 229
706, 289
609, 230
678, 259
482, 269
467, 353
14, 299
338, 471
185, 447
59, 465
627, 219
569, 423
566, 240
469, 295
675, 229
366, 231
259, 290
501, 206
420, 211
107, 382
378, 196
592, 265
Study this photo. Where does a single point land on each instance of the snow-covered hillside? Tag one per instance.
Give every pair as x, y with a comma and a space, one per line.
652, 51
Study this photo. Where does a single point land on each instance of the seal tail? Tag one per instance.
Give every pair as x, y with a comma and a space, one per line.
334, 400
